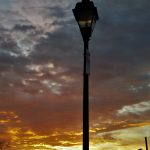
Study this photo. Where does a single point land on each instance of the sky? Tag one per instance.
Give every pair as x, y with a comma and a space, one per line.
41, 59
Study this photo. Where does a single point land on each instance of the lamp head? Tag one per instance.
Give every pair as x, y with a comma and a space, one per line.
86, 15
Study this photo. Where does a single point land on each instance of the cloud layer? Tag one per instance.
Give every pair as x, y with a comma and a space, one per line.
41, 74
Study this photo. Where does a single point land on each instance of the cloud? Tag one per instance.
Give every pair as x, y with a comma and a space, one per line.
117, 37
131, 138
45, 15
23, 28
54, 86
137, 109
121, 139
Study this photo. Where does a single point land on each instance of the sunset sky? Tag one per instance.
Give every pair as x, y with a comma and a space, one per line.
41, 57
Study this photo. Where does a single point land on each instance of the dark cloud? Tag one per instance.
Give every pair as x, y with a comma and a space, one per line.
62, 53
24, 28
123, 36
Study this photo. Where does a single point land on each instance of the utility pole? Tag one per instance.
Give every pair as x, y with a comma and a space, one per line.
146, 143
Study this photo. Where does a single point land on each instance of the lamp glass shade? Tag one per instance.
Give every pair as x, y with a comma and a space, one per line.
86, 19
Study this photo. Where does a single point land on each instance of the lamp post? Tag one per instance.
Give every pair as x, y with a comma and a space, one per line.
86, 16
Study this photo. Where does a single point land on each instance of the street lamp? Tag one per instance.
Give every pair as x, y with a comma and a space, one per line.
86, 15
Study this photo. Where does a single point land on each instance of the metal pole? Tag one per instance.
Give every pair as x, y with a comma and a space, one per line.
86, 96
146, 143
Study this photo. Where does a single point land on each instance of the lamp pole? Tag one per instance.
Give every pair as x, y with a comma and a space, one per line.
86, 15
86, 73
